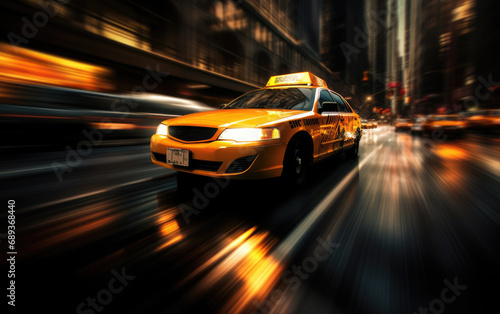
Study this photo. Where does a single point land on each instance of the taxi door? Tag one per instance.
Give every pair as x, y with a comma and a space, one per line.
329, 139
348, 121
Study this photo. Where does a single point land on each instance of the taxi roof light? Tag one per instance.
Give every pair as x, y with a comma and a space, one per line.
300, 78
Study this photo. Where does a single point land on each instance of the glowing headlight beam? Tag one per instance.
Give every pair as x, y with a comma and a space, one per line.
162, 129
249, 134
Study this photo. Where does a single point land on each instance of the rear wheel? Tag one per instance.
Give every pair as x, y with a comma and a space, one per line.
297, 161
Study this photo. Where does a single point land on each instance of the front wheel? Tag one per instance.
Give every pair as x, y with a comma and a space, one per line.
297, 162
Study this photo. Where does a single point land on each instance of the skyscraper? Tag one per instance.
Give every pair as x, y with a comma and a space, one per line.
375, 14
392, 79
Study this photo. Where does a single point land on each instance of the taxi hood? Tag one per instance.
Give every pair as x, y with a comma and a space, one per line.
236, 118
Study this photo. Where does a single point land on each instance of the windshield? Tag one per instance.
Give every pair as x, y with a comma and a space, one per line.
285, 98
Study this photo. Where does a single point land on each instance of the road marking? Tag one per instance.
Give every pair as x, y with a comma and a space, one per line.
297, 235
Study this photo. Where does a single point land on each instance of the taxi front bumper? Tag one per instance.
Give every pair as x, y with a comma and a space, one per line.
237, 160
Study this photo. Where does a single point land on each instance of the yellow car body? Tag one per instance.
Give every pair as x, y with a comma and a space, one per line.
366, 125
403, 124
484, 120
252, 143
450, 124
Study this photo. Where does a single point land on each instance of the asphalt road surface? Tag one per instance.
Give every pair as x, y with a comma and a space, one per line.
410, 226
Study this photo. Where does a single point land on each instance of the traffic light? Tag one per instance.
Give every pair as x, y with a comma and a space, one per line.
365, 76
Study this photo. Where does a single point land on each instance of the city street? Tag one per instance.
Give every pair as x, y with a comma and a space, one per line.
410, 226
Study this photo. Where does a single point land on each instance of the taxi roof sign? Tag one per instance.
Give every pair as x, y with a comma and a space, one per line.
301, 78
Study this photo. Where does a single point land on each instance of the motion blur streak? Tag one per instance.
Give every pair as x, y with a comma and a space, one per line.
295, 237
225, 250
21, 65
78, 226
416, 214
251, 265
169, 227
407, 214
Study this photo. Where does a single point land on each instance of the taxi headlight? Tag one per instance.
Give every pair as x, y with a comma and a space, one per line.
162, 129
249, 134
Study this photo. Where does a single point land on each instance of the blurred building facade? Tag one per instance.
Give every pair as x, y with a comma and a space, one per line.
451, 62
406, 57
393, 71
219, 47
376, 12
344, 45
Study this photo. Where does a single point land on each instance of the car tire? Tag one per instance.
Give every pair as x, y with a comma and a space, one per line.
297, 161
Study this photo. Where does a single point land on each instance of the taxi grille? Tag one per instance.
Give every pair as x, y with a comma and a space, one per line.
191, 133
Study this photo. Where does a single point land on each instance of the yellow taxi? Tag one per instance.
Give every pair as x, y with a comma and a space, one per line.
365, 124
403, 124
279, 130
449, 124
484, 120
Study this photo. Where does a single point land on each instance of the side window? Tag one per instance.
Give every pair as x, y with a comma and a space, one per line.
342, 107
347, 105
324, 95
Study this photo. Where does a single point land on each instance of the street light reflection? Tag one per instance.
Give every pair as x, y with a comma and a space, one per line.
169, 229
245, 270
78, 227
449, 151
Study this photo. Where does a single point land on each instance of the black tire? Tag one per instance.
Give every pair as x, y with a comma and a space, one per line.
298, 159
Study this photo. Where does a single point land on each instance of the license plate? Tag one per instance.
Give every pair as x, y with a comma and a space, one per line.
178, 157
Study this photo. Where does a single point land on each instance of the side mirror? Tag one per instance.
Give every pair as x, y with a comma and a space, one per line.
221, 106
328, 106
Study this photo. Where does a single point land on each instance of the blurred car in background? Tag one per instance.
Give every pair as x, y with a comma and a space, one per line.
483, 120
475, 119
48, 116
448, 124
365, 124
374, 123
403, 124
418, 126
